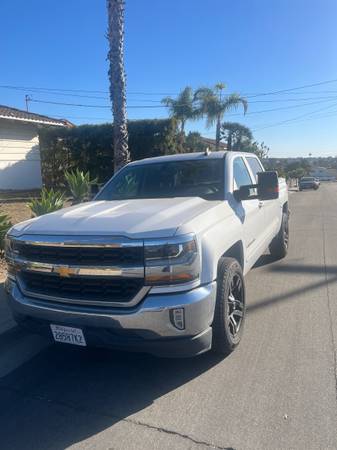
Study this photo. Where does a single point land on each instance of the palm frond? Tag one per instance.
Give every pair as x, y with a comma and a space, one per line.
233, 101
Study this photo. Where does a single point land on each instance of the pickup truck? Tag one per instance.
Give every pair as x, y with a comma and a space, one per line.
156, 262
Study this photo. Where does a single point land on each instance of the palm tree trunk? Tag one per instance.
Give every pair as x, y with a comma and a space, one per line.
229, 141
217, 134
117, 81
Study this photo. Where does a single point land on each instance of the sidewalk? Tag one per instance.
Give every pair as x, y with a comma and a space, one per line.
16, 345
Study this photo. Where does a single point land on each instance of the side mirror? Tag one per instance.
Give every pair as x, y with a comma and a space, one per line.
268, 185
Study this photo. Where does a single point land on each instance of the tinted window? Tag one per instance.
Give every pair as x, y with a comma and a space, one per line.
241, 174
255, 166
195, 178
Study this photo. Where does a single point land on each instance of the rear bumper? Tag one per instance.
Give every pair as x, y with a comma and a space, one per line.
147, 327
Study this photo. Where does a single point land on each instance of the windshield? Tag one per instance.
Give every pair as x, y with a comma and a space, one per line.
308, 179
197, 178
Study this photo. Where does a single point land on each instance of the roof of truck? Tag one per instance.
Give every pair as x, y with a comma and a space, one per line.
190, 157
181, 157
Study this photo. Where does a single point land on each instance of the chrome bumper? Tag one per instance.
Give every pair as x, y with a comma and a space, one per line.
149, 320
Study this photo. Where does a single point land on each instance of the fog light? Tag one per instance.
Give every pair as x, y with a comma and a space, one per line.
178, 318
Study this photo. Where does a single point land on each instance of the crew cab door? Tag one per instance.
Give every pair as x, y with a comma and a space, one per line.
249, 212
271, 208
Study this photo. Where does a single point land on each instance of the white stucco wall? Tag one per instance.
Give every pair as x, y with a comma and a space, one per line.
20, 166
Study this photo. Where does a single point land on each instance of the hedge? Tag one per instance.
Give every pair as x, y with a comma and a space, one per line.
90, 148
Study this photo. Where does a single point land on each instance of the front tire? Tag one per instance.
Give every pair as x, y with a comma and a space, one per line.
279, 246
230, 308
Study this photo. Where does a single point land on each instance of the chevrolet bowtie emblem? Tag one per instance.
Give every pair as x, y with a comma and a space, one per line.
64, 271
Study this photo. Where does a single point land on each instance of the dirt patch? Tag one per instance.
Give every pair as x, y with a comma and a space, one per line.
2, 269
17, 212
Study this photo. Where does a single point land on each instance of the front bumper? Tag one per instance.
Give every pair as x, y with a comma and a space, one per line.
146, 327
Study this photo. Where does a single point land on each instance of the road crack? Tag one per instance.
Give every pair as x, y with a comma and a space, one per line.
114, 417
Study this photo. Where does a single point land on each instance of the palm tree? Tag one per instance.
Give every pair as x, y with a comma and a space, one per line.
234, 134
214, 105
181, 108
117, 81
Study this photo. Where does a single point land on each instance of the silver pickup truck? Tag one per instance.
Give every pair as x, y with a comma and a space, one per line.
156, 262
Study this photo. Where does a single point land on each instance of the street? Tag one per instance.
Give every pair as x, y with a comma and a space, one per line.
276, 391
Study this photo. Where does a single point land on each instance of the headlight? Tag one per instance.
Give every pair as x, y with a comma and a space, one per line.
171, 261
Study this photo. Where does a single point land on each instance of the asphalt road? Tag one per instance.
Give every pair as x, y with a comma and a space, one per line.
277, 391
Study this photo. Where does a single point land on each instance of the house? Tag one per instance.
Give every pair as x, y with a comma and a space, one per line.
20, 167
212, 144
324, 174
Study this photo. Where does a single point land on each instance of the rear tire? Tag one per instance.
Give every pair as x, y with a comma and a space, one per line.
279, 245
230, 304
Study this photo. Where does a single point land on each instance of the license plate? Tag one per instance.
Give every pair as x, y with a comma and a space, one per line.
68, 335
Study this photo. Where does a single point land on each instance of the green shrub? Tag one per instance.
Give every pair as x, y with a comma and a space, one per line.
79, 184
90, 148
50, 201
5, 225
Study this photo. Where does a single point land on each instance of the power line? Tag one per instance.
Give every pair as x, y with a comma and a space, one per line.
28, 88
83, 105
295, 88
282, 91
282, 108
294, 119
93, 106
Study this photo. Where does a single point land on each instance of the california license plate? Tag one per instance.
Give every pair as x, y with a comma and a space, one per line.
68, 335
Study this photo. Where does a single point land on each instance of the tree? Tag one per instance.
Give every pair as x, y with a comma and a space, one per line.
214, 105
181, 108
117, 81
194, 142
234, 135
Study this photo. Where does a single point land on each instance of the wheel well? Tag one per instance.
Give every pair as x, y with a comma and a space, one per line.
236, 252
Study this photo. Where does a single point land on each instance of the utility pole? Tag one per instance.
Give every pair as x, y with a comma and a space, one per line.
27, 99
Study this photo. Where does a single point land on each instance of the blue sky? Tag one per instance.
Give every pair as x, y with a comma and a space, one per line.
254, 46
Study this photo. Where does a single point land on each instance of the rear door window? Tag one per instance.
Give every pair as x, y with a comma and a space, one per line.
240, 173
255, 166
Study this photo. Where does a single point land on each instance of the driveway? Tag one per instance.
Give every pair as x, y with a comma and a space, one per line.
277, 391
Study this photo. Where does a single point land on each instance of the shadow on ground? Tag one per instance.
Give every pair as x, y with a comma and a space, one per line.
65, 395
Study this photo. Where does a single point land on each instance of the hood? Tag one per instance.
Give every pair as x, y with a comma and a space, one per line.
137, 218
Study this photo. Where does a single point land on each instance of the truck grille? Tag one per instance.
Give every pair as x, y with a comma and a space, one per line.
84, 256
89, 271
98, 289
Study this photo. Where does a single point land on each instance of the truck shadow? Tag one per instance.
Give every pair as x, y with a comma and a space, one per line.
265, 260
327, 273
64, 395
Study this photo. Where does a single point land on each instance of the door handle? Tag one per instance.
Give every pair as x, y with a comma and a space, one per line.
261, 204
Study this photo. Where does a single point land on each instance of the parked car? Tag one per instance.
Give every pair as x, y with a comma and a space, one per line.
308, 183
157, 261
